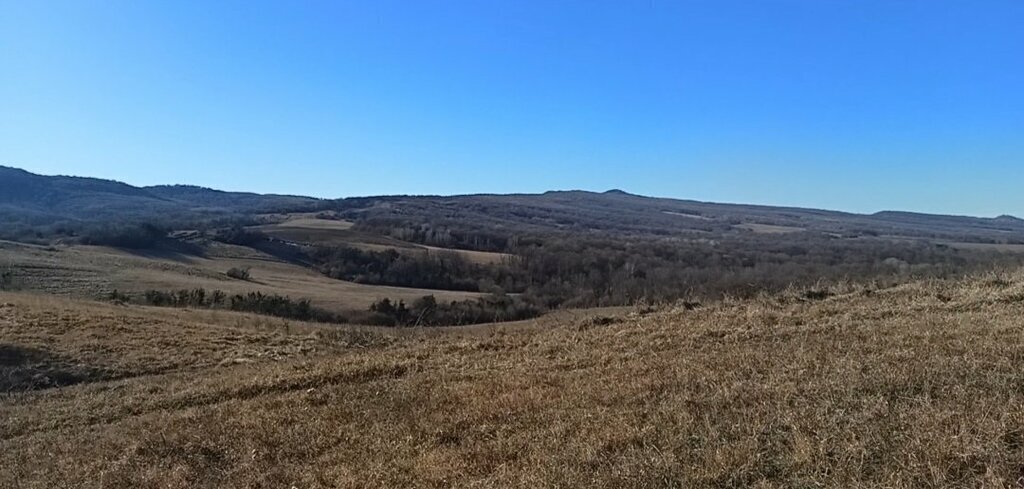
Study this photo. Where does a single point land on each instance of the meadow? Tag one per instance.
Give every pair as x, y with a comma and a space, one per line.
96, 271
914, 385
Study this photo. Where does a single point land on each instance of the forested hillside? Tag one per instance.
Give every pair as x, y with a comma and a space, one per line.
522, 255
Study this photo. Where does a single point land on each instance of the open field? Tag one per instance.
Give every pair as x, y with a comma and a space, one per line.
913, 386
484, 257
691, 216
769, 228
1003, 247
91, 271
314, 223
311, 231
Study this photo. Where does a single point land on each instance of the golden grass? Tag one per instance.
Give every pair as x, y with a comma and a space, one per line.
482, 257
920, 385
91, 271
1007, 247
307, 222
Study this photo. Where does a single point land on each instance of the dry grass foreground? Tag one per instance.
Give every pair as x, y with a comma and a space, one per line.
920, 385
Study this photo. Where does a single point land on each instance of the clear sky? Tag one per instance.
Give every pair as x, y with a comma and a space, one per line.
858, 105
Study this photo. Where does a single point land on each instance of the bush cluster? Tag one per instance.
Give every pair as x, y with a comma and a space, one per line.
427, 311
239, 273
254, 302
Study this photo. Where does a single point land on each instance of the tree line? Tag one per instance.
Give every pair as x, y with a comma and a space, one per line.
427, 311
577, 271
254, 302
424, 311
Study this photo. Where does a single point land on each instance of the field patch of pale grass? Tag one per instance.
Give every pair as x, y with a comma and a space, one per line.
94, 272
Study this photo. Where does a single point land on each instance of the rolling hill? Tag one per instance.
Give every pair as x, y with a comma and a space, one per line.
620, 212
485, 257
648, 342
42, 199
910, 386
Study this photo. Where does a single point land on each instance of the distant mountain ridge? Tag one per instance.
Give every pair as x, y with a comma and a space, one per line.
621, 212
84, 198
37, 199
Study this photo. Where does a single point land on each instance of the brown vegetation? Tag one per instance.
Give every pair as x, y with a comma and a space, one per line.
93, 272
917, 385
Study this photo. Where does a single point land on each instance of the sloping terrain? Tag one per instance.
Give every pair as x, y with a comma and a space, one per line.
94, 272
917, 385
27, 197
623, 213
556, 249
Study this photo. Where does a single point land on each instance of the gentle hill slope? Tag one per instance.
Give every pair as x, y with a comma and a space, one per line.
620, 212
94, 272
912, 386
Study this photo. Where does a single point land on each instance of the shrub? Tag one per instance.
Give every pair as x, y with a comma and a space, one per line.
118, 297
239, 273
8, 281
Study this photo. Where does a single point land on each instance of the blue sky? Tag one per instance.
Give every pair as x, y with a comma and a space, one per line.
852, 105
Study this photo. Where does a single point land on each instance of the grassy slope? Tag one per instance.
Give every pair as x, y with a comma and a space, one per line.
89, 271
916, 386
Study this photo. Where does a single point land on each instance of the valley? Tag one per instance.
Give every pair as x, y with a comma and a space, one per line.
564, 339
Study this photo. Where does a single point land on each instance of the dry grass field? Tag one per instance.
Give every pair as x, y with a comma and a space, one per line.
769, 228
314, 223
92, 272
1004, 247
920, 385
